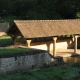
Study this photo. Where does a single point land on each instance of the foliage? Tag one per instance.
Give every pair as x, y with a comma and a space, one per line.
39, 9
78, 15
5, 40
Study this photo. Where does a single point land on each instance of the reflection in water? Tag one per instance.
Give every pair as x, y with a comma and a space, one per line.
72, 59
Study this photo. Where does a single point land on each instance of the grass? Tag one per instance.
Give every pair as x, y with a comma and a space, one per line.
13, 51
51, 73
5, 40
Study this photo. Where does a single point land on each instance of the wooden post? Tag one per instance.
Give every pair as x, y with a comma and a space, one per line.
14, 37
28, 43
15, 40
54, 46
48, 47
75, 43
73, 39
20, 39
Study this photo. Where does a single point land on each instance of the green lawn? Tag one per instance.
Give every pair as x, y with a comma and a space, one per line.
13, 51
5, 40
52, 73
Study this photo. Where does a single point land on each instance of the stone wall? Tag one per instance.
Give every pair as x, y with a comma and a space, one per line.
18, 63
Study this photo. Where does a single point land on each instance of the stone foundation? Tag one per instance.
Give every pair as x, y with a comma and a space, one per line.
25, 62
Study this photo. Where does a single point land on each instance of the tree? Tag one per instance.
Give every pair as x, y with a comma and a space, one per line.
40, 9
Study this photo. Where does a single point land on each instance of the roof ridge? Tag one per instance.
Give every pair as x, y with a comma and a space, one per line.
45, 20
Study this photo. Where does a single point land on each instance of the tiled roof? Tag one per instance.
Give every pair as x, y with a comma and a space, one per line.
45, 28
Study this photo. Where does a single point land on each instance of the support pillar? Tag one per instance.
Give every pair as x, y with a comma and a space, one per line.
54, 46
48, 47
14, 37
28, 43
75, 43
20, 38
15, 41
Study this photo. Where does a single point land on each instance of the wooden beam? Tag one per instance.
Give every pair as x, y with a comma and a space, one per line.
13, 38
75, 43
54, 46
28, 43
48, 47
